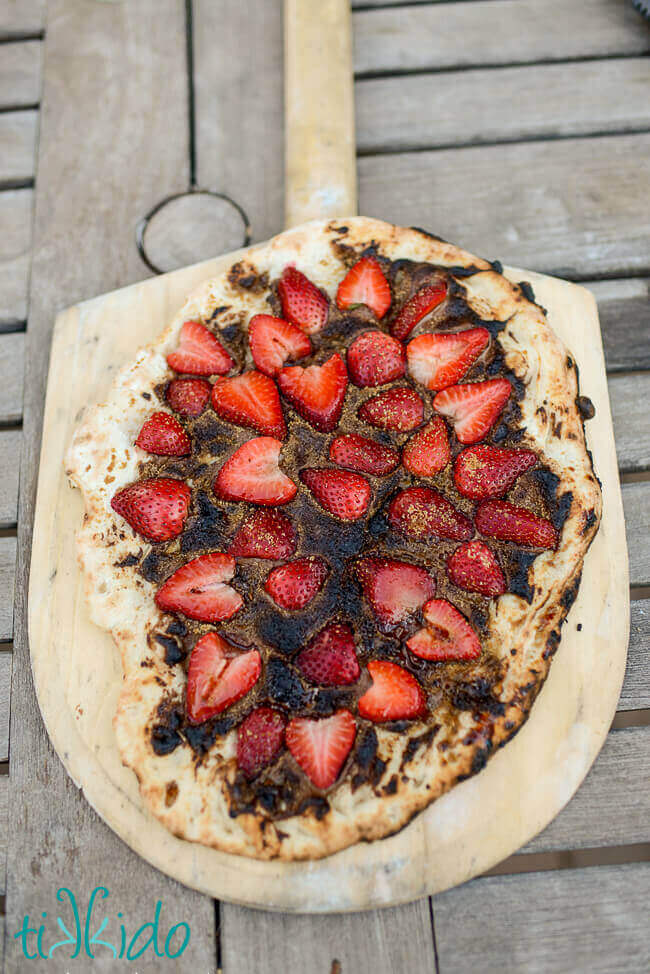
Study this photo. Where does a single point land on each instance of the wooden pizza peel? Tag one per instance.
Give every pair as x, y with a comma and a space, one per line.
76, 667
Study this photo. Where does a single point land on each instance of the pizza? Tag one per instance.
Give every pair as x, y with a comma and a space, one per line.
335, 517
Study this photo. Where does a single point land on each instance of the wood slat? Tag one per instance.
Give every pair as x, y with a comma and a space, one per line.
629, 396
18, 141
20, 74
4, 794
636, 504
635, 694
12, 366
5, 693
9, 468
15, 254
579, 208
7, 579
624, 311
20, 17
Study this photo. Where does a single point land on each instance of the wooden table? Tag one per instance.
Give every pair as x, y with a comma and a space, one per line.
517, 128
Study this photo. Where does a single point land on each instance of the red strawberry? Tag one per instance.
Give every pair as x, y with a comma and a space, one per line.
399, 409
427, 452
317, 392
264, 534
423, 513
394, 694
357, 453
441, 360
421, 304
163, 435
365, 284
302, 303
259, 740
274, 341
507, 522
344, 494
330, 658
473, 408
474, 568
447, 635
294, 585
155, 508
375, 358
200, 591
395, 589
188, 397
199, 352
253, 474
321, 745
489, 471
250, 400
216, 677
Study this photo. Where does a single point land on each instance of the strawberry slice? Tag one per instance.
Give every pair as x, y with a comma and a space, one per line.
253, 474
507, 522
264, 534
216, 677
274, 341
294, 585
302, 303
200, 591
394, 694
259, 740
427, 452
441, 360
474, 568
188, 397
394, 589
330, 658
375, 358
423, 513
250, 400
317, 392
489, 471
199, 352
366, 456
446, 636
342, 493
156, 508
164, 436
365, 284
398, 409
473, 408
420, 305
321, 745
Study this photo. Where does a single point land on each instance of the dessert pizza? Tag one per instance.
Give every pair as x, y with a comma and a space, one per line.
335, 516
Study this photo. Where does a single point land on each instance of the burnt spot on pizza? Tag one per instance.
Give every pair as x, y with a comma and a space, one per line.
219, 310
391, 786
164, 739
174, 653
590, 519
283, 686
171, 793
570, 593
477, 696
429, 235
496, 266
128, 561
316, 805
518, 584
527, 291
146, 395
246, 277
415, 743
586, 407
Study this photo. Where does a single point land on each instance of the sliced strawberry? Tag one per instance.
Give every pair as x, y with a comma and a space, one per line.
188, 397
199, 352
394, 694
164, 436
394, 589
507, 522
489, 471
216, 677
474, 568
274, 341
421, 304
441, 360
427, 452
200, 591
342, 493
366, 456
302, 303
473, 408
253, 474
446, 636
375, 358
250, 400
294, 585
321, 745
423, 513
259, 740
156, 508
399, 409
365, 284
317, 392
330, 658
264, 534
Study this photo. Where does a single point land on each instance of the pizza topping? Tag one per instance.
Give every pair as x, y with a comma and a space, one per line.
199, 352
253, 474
441, 360
294, 585
188, 397
330, 658
489, 471
200, 591
317, 392
302, 303
473, 408
320, 746
216, 678
446, 636
394, 589
375, 358
423, 513
394, 694
399, 409
343, 494
250, 400
156, 508
259, 740
421, 304
164, 436
274, 341
363, 455
365, 284
507, 522
427, 452
474, 567
264, 534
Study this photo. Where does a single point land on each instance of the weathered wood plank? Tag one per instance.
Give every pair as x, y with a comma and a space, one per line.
20, 17
629, 395
7, 578
4, 794
568, 920
10, 441
12, 365
18, 141
5, 693
15, 254
20, 74
624, 311
579, 210
636, 504
635, 694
